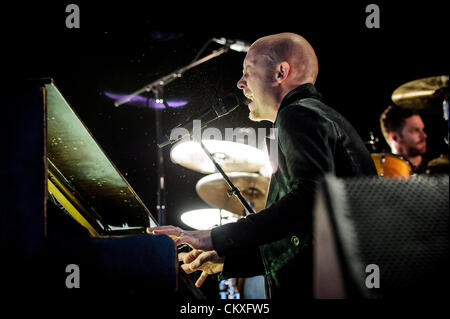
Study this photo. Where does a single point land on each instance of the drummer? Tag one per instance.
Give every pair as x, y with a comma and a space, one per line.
404, 131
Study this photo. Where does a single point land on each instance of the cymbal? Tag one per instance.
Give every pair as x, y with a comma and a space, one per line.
419, 94
253, 187
231, 156
204, 219
439, 165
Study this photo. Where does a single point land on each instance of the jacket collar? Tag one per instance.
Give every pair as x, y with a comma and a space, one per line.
301, 92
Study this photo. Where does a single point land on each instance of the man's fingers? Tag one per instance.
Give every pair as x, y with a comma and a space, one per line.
182, 255
175, 233
200, 260
201, 279
200, 239
191, 256
187, 268
188, 257
185, 240
166, 230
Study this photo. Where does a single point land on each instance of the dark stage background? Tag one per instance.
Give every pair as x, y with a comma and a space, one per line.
121, 47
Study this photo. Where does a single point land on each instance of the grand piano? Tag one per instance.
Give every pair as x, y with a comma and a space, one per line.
69, 206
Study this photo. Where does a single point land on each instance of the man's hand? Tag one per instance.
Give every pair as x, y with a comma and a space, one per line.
207, 261
199, 239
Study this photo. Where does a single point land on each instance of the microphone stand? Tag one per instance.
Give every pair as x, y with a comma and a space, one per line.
156, 86
170, 77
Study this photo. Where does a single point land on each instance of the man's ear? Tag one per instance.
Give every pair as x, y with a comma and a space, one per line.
283, 71
393, 136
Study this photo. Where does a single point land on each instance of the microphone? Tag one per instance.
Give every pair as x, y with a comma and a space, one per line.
235, 45
222, 107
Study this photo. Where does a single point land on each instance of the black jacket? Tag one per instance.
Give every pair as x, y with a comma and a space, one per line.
313, 140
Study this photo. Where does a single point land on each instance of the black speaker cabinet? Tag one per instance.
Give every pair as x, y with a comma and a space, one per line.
381, 238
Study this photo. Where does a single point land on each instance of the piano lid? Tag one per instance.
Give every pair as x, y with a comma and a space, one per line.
79, 163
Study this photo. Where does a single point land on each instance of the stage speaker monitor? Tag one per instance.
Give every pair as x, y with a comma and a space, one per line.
381, 238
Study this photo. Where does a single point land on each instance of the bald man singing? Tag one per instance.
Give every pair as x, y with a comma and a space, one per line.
279, 73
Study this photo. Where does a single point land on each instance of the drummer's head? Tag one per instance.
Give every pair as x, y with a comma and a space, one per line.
404, 131
273, 67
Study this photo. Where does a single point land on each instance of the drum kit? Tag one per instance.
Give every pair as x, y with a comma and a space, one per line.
426, 94
246, 166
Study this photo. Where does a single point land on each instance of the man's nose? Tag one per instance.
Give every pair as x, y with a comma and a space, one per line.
424, 135
241, 83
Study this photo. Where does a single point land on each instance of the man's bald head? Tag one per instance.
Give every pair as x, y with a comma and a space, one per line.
293, 49
273, 67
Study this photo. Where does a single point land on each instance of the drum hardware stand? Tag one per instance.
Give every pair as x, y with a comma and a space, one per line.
446, 114
160, 195
233, 189
220, 216
252, 206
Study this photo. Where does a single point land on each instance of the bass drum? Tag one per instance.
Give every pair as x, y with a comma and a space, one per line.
392, 166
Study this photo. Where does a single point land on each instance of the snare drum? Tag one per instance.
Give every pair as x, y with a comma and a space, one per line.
392, 166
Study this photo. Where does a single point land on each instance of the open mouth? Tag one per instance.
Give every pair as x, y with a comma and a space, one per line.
247, 101
248, 96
